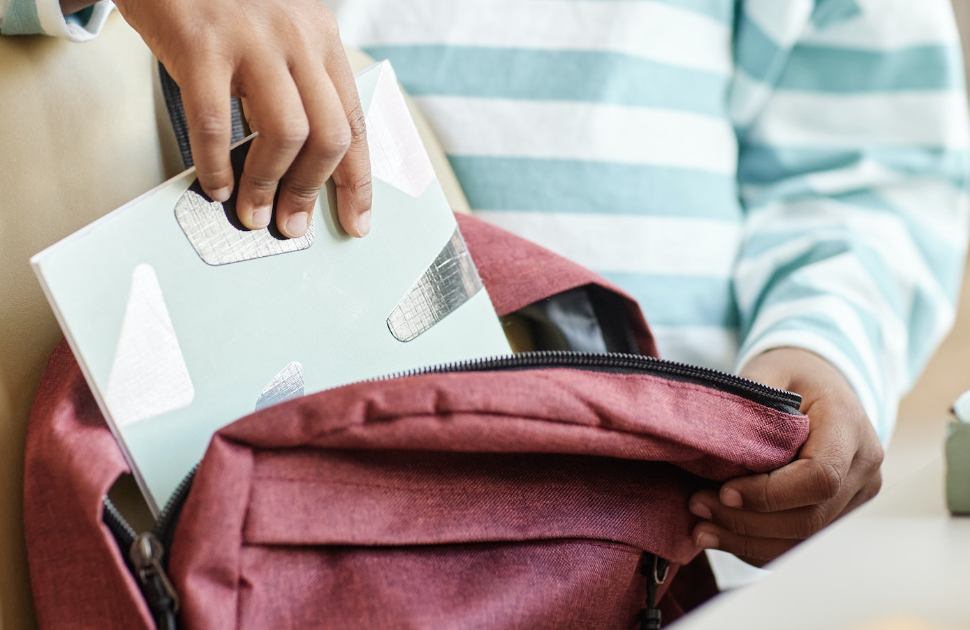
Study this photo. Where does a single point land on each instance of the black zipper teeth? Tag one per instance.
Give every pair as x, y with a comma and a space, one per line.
124, 532
757, 392
173, 505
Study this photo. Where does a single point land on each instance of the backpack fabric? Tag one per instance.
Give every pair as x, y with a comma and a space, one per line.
543, 493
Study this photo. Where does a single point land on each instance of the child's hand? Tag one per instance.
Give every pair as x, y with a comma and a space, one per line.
286, 61
759, 517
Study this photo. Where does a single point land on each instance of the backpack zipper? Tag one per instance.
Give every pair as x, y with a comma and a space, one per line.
654, 568
617, 363
146, 553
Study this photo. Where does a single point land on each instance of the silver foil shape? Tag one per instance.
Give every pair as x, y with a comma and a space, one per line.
219, 239
284, 386
449, 282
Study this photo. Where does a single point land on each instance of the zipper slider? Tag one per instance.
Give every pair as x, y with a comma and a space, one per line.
656, 572
146, 554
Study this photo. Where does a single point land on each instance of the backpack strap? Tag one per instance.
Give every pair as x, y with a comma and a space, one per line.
176, 113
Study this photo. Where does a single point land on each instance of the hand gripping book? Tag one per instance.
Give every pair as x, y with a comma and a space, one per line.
183, 321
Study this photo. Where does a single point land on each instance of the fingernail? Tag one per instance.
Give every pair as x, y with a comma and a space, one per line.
262, 217
221, 194
297, 224
699, 509
363, 224
730, 497
708, 540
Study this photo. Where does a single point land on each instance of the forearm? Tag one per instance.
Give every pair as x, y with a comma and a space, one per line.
854, 185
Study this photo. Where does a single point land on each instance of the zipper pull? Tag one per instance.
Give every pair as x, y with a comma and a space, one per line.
146, 554
655, 568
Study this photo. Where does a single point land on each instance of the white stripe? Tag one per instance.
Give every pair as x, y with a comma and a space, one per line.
883, 233
890, 25
3, 8
51, 18
783, 22
713, 347
581, 131
631, 244
934, 119
937, 206
650, 30
882, 416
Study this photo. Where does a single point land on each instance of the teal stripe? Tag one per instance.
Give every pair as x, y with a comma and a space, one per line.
21, 18
846, 71
830, 12
831, 244
944, 262
763, 165
681, 300
82, 17
826, 324
542, 185
554, 75
718, 10
826, 69
756, 53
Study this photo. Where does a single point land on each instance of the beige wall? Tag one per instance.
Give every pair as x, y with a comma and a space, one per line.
77, 137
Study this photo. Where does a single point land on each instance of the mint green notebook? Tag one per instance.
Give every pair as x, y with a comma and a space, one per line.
183, 322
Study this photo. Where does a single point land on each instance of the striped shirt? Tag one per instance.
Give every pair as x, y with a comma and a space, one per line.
757, 173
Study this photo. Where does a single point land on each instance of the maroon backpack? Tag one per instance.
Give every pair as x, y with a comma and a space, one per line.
544, 490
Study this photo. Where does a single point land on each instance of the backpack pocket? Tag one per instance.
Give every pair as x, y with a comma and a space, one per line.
412, 539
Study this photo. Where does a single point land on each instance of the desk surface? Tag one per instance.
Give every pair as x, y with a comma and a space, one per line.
900, 555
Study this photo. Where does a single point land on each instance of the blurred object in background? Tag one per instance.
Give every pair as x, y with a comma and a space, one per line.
958, 457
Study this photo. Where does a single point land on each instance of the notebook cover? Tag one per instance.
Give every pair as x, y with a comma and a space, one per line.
183, 322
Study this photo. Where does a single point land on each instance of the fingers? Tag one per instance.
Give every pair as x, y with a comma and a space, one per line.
818, 475
868, 492
288, 65
328, 139
756, 551
760, 516
799, 484
796, 524
306, 134
277, 112
353, 176
207, 112
758, 537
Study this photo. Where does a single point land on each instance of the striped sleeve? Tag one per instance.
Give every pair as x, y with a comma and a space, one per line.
853, 145
44, 17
